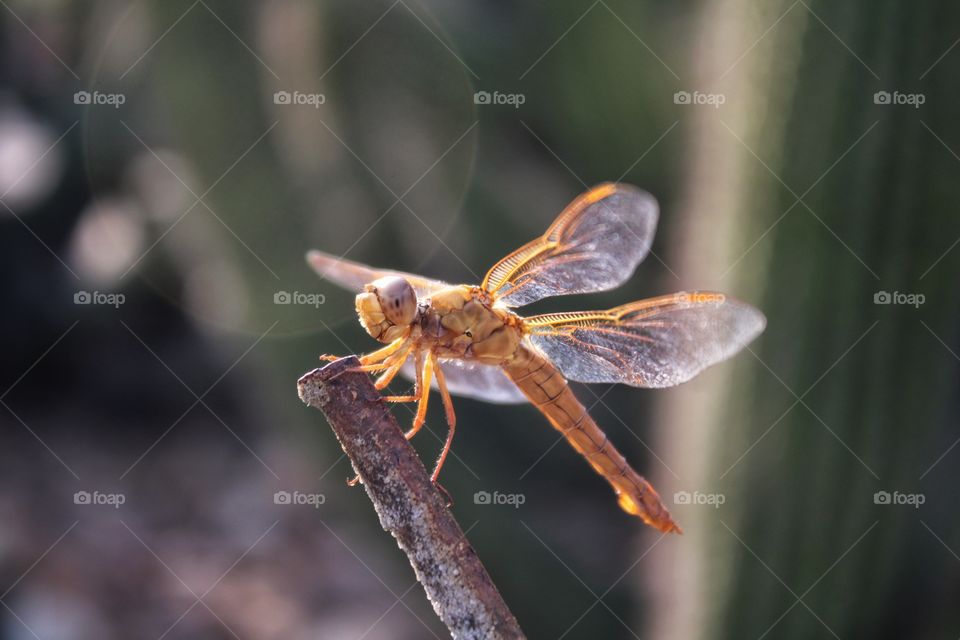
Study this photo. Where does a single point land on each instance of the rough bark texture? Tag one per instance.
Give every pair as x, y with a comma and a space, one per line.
409, 505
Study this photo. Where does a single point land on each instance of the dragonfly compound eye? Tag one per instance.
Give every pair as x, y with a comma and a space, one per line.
398, 300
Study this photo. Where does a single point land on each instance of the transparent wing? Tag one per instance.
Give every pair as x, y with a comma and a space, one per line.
658, 342
353, 275
474, 380
594, 245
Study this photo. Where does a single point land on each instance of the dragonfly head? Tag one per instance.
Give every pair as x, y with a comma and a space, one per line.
387, 307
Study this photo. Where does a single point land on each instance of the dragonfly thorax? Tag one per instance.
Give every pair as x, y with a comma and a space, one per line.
460, 323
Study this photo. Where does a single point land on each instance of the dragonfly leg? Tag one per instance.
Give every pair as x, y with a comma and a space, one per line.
451, 423
382, 354
423, 390
369, 368
446, 494
422, 395
417, 389
392, 363
372, 361
364, 368
414, 398
379, 361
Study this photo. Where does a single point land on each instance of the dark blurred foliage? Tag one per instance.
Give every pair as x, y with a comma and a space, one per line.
197, 197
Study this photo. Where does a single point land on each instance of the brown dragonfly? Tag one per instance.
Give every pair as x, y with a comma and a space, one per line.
466, 340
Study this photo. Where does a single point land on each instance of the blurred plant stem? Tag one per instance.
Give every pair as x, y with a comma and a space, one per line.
792, 205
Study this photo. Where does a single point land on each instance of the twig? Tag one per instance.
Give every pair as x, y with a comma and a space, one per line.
409, 505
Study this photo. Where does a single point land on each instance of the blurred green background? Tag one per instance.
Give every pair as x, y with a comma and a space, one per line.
164, 167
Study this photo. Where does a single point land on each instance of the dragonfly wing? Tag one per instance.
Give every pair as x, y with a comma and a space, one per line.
659, 342
353, 276
474, 380
594, 245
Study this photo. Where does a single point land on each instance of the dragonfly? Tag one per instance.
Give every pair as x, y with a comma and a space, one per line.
468, 340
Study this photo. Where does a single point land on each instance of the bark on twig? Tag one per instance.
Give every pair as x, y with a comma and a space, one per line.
409, 505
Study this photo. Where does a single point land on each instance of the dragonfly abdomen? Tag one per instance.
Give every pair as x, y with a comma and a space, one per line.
547, 389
